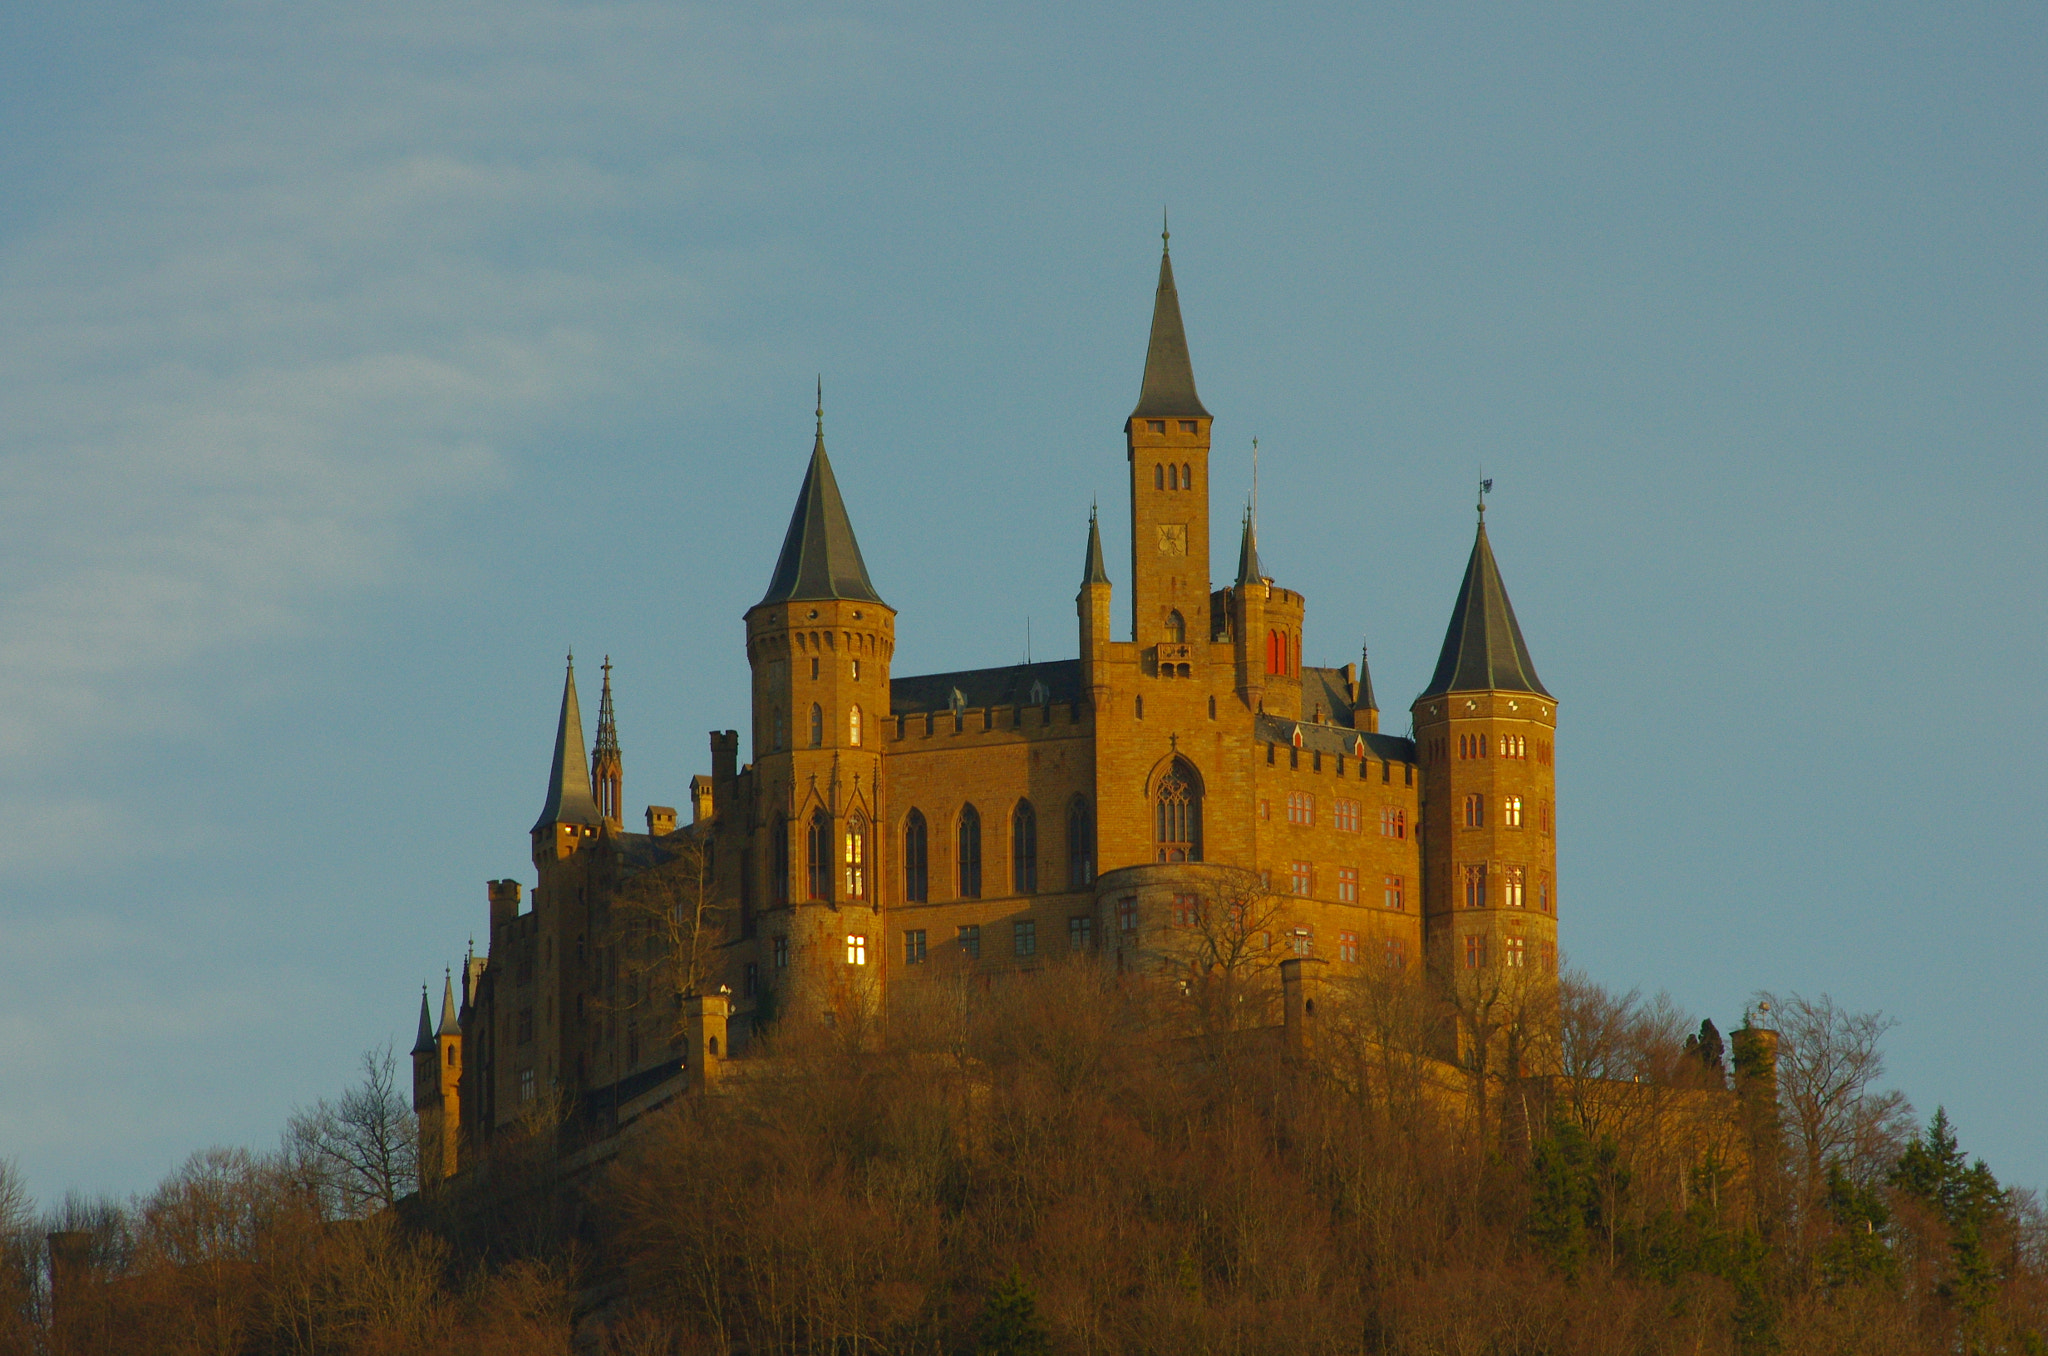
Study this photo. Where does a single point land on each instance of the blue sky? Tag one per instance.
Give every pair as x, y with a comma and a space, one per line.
357, 360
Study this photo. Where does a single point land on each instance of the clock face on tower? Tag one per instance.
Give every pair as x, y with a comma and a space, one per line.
1173, 539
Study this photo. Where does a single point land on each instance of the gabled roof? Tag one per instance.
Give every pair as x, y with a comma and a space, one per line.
1483, 647
820, 558
1169, 385
569, 799
1092, 571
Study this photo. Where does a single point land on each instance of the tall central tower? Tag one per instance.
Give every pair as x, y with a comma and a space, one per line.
1167, 438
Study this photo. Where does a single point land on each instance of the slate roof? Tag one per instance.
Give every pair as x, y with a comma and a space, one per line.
1249, 570
569, 799
1010, 686
1325, 688
1483, 647
1169, 385
423, 1044
1092, 571
820, 558
1332, 739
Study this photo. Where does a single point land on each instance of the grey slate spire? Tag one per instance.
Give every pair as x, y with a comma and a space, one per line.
1483, 648
1093, 572
569, 799
1169, 386
449, 1025
424, 1044
1249, 570
1365, 697
820, 558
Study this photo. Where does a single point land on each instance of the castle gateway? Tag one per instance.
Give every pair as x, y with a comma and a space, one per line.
895, 831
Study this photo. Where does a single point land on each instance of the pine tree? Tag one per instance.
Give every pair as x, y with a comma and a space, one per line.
1009, 1323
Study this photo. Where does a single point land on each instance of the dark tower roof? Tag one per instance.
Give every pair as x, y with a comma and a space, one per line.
607, 726
424, 1043
1169, 387
1483, 649
1365, 700
449, 1025
820, 558
1249, 571
569, 799
1092, 571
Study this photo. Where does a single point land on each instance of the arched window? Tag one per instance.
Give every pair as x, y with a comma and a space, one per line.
970, 853
1080, 846
1276, 652
779, 730
856, 858
1187, 476
853, 726
818, 856
1172, 476
1511, 812
817, 725
778, 884
1177, 814
1158, 477
1024, 848
916, 875
1475, 811
1176, 627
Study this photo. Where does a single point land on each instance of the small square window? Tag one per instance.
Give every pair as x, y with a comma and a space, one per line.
1188, 426
1156, 425
1127, 914
970, 940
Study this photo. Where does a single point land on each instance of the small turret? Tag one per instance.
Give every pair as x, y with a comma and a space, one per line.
425, 1086
1092, 602
1365, 708
607, 769
570, 814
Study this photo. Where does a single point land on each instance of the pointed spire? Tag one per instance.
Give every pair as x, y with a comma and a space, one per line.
1249, 570
424, 1044
607, 768
449, 1026
820, 558
1483, 647
1365, 701
1092, 571
1169, 385
569, 799
607, 727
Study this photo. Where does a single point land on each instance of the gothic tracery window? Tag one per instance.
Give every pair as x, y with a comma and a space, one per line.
856, 858
1024, 848
916, 855
970, 853
1177, 814
818, 856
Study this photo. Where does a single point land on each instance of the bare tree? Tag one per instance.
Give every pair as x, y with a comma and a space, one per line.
1829, 1062
361, 1151
1220, 952
670, 923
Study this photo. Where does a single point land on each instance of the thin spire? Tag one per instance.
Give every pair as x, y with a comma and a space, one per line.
1092, 571
1169, 385
424, 1044
1249, 570
820, 556
607, 726
1483, 646
569, 800
449, 1025
1366, 700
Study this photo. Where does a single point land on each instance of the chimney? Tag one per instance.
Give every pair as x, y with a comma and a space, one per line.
702, 801
504, 902
725, 756
661, 820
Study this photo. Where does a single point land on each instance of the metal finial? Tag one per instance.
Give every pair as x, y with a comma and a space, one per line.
821, 404
607, 667
572, 659
1165, 235
1485, 488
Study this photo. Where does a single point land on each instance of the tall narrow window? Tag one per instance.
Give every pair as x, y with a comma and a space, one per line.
1172, 476
1475, 887
1512, 887
1159, 477
970, 853
818, 856
853, 726
856, 858
1080, 845
1176, 627
817, 725
779, 738
778, 884
913, 946
916, 877
1511, 812
1393, 893
1177, 814
1475, 951
1187, 476
1024, 849
1475, 811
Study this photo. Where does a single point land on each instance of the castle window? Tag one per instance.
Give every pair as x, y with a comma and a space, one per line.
1301, 878
1187, 474
913, 946
1543, 816
526, 1086
817, 725
451, 1056
1543, 894
1475, 951
1212, 708
1397, 954
1177, 814
1080, 845
1266, 806
1475, 811
1475, 887
1187, 910
1407, 774
779, 884
1276, 653
970, 940
1511, 952
970, 853
1159, 477
814, 666
1176, 627
1393, 822
1303, 941
1024, 849
1141, 708
1127, 914
1347, 947
856, 670
1345, 815
1347, 885
1187, 426
1173, 477
780, 738
1511, 893
1514, 746
856, 858
751, 984
525, 1026
1301, 808
782, 953
916, 878
1024, 938
1511, 811
853, 726
1546, 956
856, 949
818, 856
1156, 425
1393, 893
1080, 932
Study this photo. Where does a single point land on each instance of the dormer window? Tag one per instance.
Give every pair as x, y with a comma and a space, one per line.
1156, 425
1187, 426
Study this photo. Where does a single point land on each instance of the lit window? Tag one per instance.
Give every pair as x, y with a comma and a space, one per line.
782, 953
913, 946
1347, 946
1347, 885
1301, 877
1393, 822
1396, 954
1511, 887
856, 949
1514, 746
1475, 811
1511, 812
526, 1087
1475, 887
856, 670
1475, 951
857, 858
1303, 941
1511, 952
1301, 808
1080, 932
1345, 815
1127, 914
1186, 911
1024, 937
853, 726
970, 940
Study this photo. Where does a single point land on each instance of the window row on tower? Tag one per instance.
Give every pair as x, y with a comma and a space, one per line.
1508, 810
1167, 476
1489, 886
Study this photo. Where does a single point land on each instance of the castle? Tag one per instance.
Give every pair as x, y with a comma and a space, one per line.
890, 832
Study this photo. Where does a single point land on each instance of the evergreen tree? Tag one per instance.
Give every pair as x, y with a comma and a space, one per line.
1966, 1199
1709, 1050
1009, 1323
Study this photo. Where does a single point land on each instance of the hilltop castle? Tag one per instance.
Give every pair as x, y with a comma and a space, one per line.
889, 830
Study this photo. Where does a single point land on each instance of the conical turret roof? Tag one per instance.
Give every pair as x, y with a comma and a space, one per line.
1169, 385
423, 1044
1483, 647
1365, 698
820, 558
1092, 571
449, 1025
1249, 571
569, 799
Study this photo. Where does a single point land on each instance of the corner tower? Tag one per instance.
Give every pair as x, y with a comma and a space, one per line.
820, 643
1167, 442
1484, 730
570, 816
